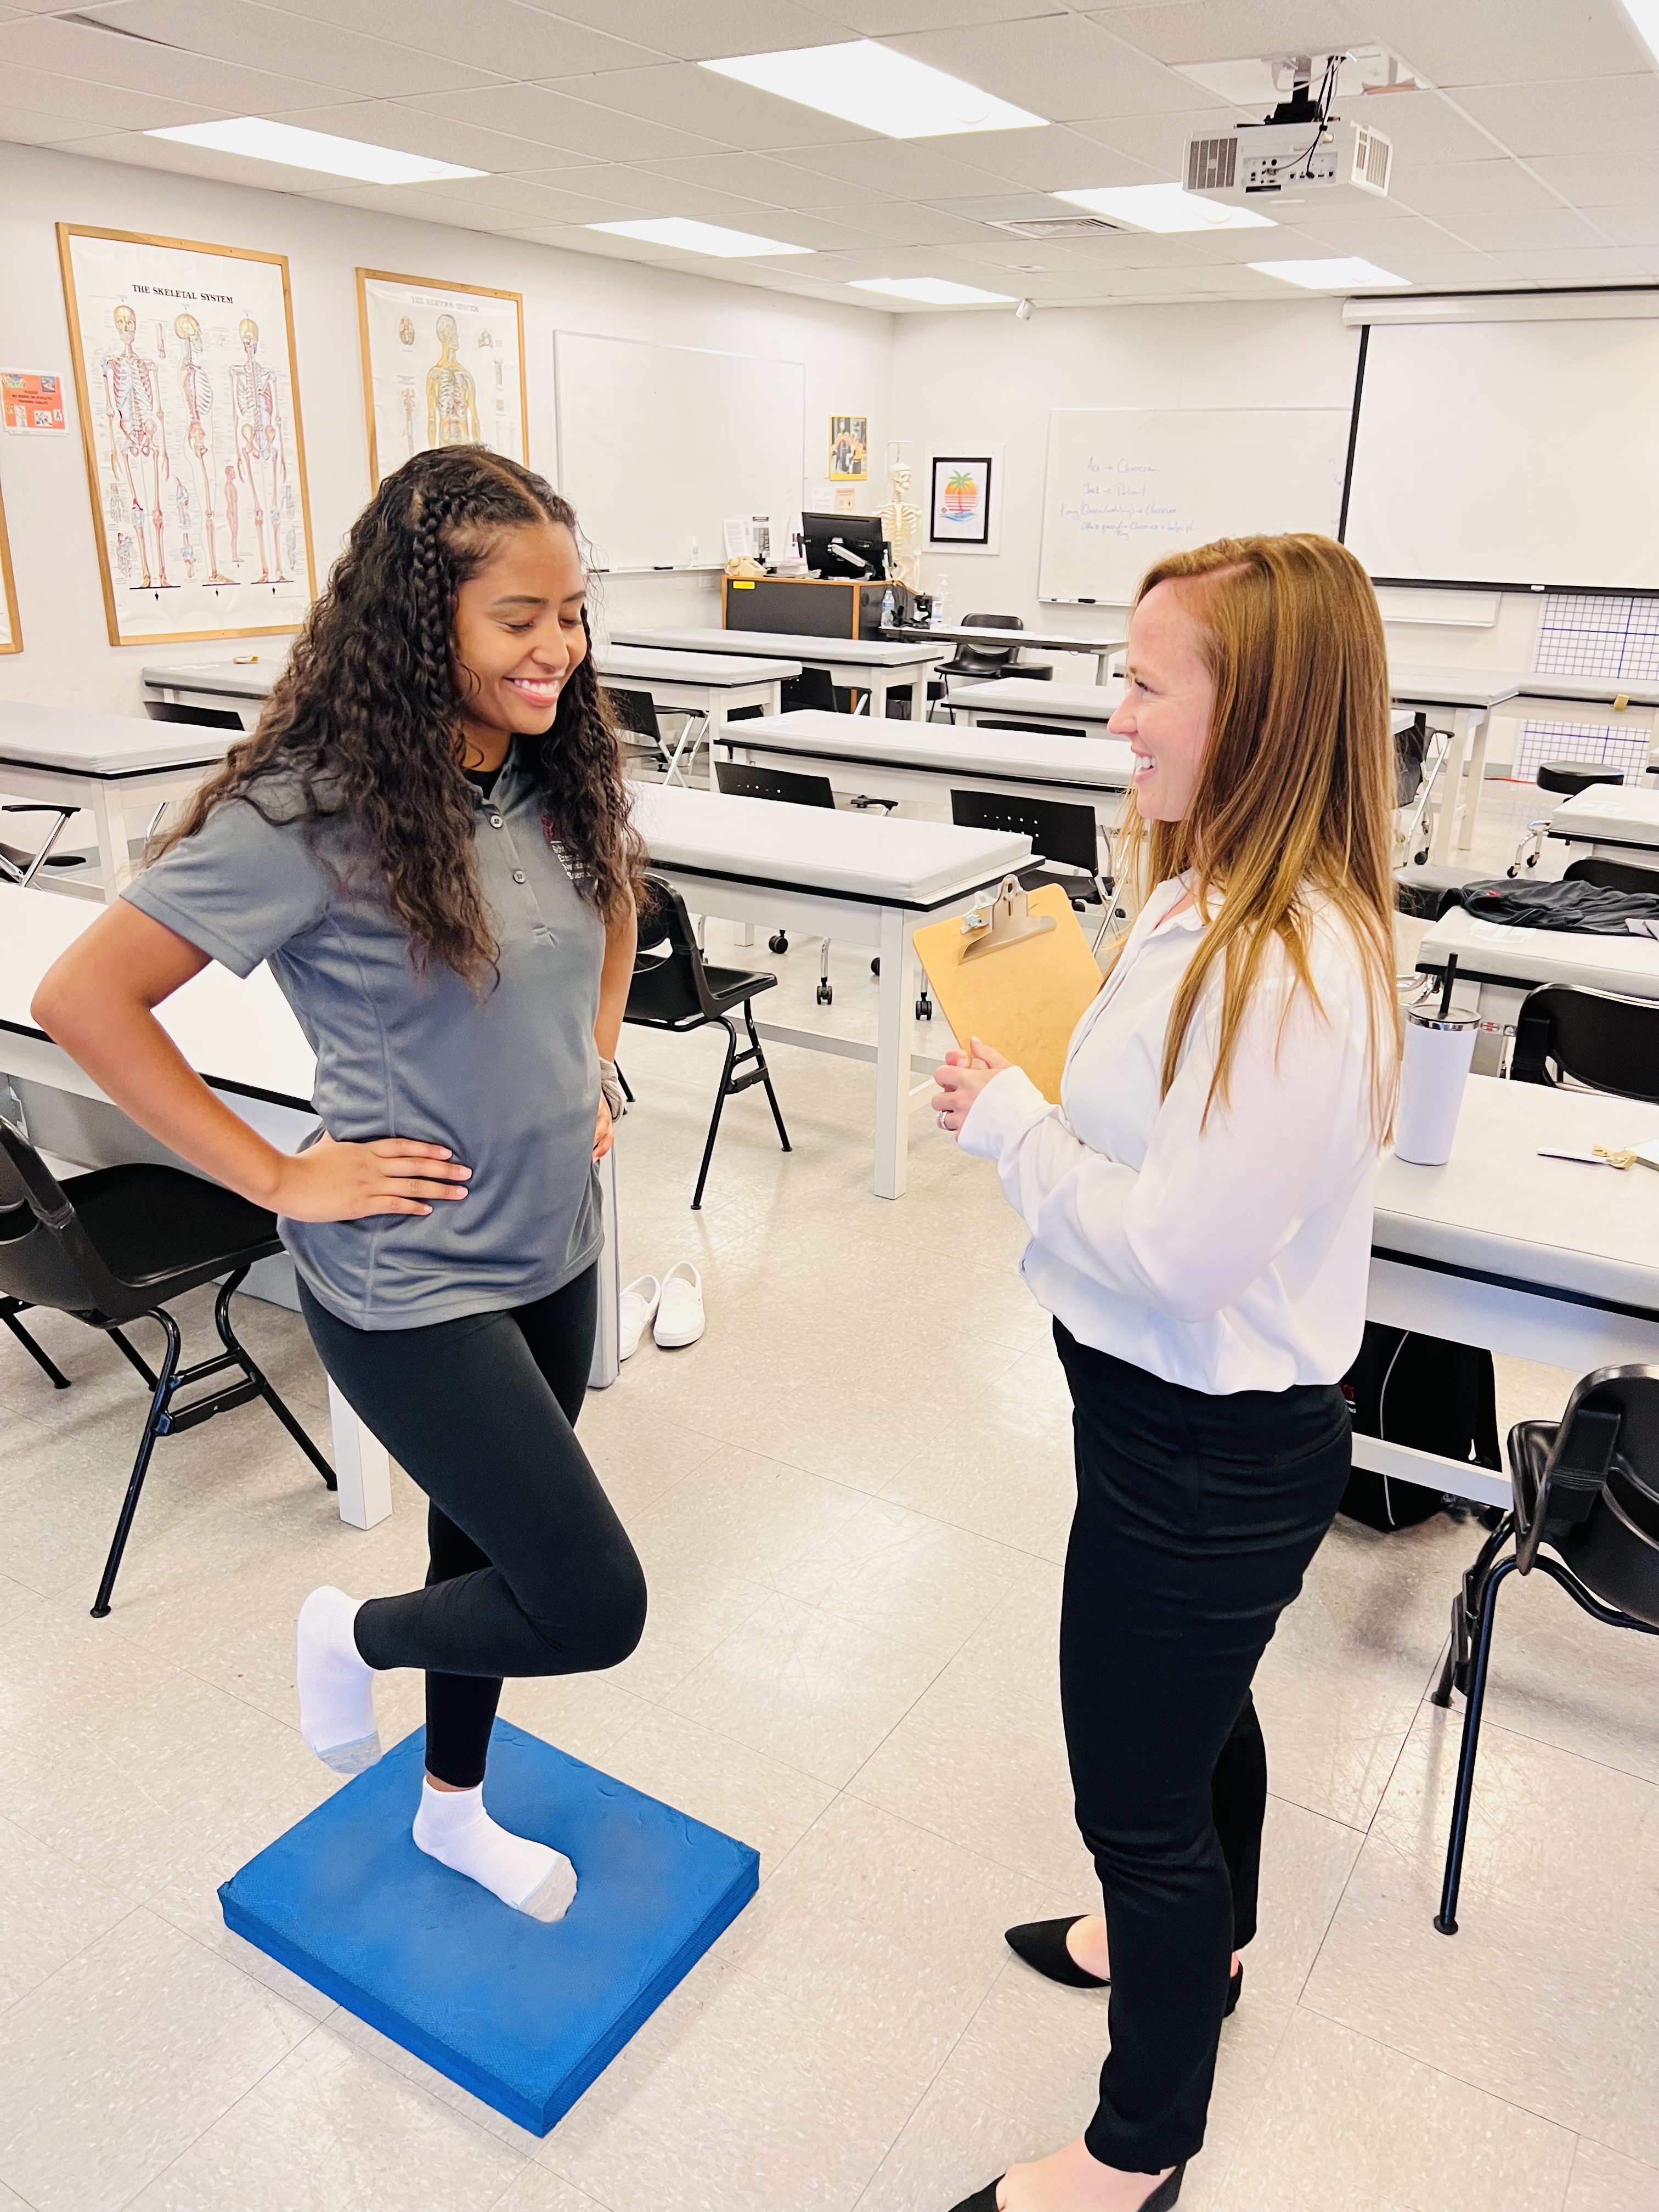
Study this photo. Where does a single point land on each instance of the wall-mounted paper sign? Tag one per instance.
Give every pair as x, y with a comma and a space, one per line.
31, 403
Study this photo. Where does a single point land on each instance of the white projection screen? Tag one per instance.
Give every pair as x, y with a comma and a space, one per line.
1519, 452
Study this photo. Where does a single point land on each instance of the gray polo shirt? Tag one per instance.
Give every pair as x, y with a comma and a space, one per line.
509, 1081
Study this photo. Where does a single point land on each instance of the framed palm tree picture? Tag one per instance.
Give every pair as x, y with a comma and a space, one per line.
959, 510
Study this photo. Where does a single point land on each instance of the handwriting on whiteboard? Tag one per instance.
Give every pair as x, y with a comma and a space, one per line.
1123, 499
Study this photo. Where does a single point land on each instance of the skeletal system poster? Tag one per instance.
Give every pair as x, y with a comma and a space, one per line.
443, 365
185, 372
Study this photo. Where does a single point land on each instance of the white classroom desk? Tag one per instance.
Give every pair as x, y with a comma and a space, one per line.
1545, 1260
239, 687
1624, 704
710, 683
117, 767
1023, 696
925, 761
859, 878
1613, 821
864, 664
242, 1038
1498, 964
1102, 649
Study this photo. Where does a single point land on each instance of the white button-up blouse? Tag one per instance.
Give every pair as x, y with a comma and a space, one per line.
1226, 1254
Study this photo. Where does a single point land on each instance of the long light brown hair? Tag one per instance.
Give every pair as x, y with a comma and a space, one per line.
1295, 796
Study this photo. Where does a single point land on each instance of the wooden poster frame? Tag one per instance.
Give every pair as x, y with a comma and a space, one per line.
365, 277
66, 231
8, 588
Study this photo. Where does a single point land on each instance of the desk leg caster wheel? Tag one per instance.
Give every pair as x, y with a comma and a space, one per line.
778, 944
924, 1008
826, 994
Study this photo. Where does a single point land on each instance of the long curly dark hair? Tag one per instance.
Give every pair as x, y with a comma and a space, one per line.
367, 717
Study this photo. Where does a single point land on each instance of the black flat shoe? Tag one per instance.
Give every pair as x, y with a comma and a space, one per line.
1235, 1991
1041, 1944
1163, 2198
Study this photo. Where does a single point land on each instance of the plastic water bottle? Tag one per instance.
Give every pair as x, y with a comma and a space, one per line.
941, 599
887, 613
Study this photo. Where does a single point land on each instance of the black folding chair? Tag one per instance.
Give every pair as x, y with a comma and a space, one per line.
675, 988
22, 867
1588, 1486
116, 1246
1058, 831
1593, 1038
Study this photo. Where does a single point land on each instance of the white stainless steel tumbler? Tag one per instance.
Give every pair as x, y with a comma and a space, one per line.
1433, 1071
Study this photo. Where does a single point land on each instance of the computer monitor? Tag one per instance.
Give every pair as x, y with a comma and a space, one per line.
849, 546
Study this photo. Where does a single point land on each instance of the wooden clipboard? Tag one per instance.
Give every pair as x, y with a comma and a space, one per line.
1023, 998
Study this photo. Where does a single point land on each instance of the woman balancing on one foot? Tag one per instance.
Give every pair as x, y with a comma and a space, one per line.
1200, 1206
428, 839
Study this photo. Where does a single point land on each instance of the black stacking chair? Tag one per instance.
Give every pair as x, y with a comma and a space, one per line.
675, 988
1058, 831
116, 1246
977, 662
1613, 875
204, 718
1588, 1487
635, 715
812, 687
20, 866
789, 789
1592, 1038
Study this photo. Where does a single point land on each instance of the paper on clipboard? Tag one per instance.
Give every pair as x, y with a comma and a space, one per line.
1022, 999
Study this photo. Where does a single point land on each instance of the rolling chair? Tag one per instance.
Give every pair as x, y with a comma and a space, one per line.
1563, 1034
675, 989
1058, 831
1613, 875
117, 1246
1568, 779
981, 662
20, 867
1588, 1486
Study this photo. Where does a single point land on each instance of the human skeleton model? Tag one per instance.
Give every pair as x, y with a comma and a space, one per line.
452, 405
901, 518
260, 461
198, 434
138, 441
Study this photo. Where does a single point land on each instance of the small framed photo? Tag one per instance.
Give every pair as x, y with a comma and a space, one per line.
959, 508
849, 449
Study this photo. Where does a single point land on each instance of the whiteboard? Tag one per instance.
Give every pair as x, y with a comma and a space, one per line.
659, 444
1510, 453
1126, 485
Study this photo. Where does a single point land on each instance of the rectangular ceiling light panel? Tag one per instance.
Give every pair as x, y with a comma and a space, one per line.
690, 237
1345, 272
1166, 206
933, 291
260, 140
869, 84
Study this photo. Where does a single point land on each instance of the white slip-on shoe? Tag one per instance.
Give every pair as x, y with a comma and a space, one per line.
636, 1310
680, 1315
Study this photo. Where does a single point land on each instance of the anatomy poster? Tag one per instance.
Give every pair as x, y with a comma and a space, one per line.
190, 415
443, 365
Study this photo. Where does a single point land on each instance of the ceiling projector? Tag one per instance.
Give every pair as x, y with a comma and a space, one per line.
1301, 152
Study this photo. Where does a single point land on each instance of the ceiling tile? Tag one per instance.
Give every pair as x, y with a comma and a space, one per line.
1052, 160
98, 57
1568, 118
901, 168
1597, 179
491, 203
575, 126
502, 38
1219, 30
1596, 264
243, 31
683, 94
138, 152
703, 30
758, 177
1423, 126
878, 19
1525, 228
1504, 41
1059, 66
1453, 189
1630, 226
414, 130
903, 222
1158, 142
40, 126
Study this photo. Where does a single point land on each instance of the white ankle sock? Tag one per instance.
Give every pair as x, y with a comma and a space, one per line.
335, 1684
453, 1827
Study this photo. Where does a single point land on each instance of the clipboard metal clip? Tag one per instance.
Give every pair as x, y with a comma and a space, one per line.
1002, 918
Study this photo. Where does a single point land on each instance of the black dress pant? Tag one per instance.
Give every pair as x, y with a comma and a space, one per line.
1196, 1518
531, 1571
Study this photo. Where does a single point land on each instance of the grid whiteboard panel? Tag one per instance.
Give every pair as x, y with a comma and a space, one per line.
1126, 485
659, 444
1510, 454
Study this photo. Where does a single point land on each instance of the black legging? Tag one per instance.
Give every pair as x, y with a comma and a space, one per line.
531, 1571
1196, 1518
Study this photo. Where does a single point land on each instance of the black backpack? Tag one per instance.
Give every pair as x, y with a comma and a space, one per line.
1426, 1393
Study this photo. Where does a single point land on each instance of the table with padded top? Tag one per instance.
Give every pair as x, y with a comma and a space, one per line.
874, 666
1614, 821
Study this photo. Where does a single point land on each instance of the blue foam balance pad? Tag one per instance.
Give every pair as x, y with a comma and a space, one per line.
525, 2014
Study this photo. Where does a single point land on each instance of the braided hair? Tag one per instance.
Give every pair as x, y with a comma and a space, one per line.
366, 716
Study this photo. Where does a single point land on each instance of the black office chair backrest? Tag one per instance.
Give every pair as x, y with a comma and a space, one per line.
205, 718
669, 985
974, 657
1613, 875
634, 712
1591, 1037
46, 1258
781, 783
1058, 831
812, 687
1597, 1504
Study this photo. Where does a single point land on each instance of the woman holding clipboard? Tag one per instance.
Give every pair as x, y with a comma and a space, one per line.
1199, 1206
